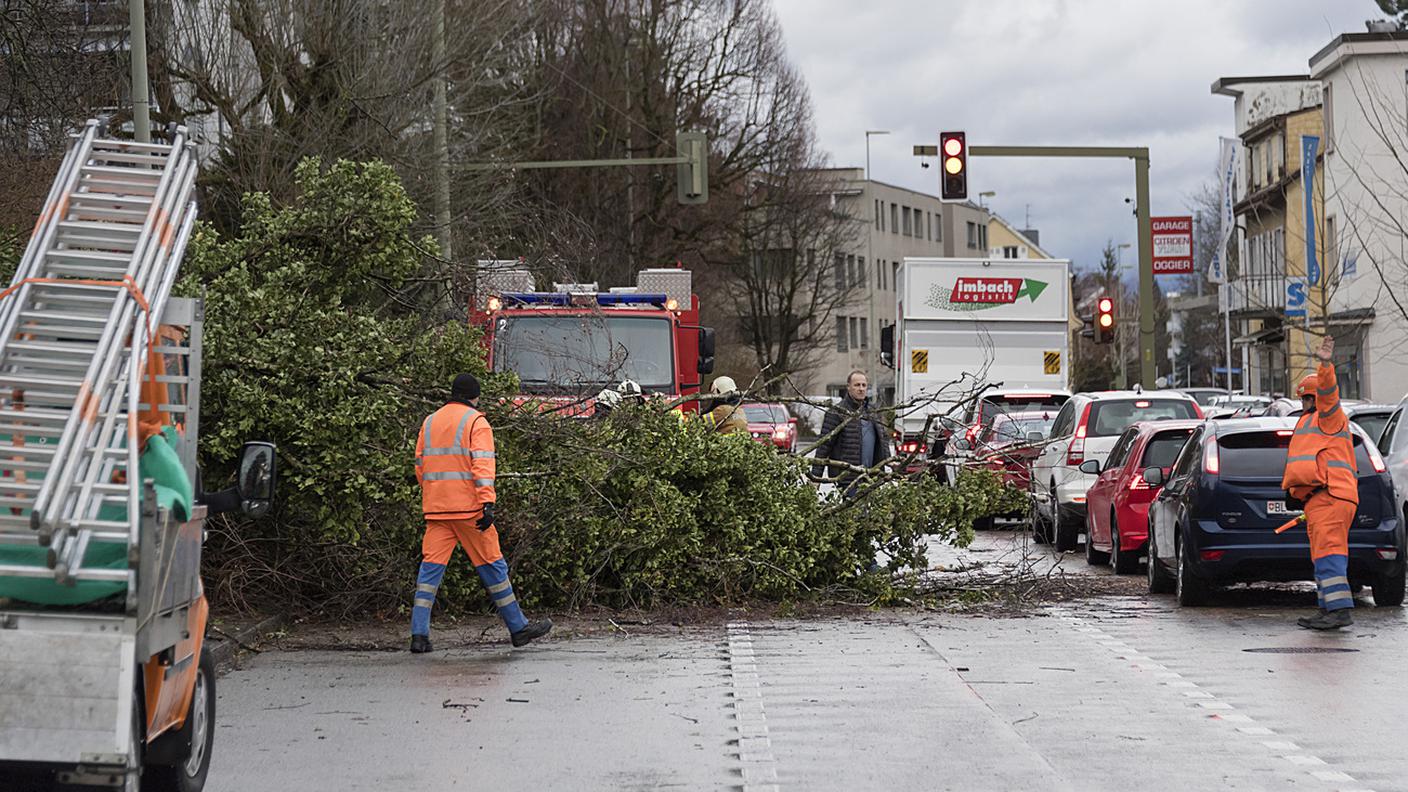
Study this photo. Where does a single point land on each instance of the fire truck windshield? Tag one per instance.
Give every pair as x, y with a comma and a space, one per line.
571, 352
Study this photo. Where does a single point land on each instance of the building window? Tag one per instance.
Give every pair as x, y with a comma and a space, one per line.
864, 333
860, 271
876, 209
840, 271
938, 227
972, 235
1010, 252
894, 218
855, 332
929, 226
904, 213
983, 236
880, 274
1328, 102
841, 334
880, 213
894, 274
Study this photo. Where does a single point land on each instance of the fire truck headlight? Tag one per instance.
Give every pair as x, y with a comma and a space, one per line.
495, 303
672, 305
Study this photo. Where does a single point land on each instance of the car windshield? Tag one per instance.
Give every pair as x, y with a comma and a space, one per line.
1110, 417
1016, 428
1206, 397
994, 406
1372, 423
1262, 455
760, 413
585, 350
1164, 448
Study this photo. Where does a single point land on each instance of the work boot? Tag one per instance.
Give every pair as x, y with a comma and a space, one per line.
1327, 620
534, 630
420, 644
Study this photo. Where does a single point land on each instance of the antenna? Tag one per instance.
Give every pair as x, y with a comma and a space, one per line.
1029, 217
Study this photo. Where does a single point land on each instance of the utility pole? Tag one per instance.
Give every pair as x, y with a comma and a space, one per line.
137, 49
440, 136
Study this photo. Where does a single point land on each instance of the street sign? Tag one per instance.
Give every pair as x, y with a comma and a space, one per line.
1051, 362
1173, 245
919, 361
1296, 295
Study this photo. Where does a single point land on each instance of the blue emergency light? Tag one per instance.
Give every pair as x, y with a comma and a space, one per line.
600, 298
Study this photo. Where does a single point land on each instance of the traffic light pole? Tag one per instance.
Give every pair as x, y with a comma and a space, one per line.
1140, 155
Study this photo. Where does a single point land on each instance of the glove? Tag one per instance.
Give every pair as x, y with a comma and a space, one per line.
487, 518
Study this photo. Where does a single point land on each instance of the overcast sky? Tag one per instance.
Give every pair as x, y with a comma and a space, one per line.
1049, 72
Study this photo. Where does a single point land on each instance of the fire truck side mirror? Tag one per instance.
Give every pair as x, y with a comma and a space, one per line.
706, 350
887, 346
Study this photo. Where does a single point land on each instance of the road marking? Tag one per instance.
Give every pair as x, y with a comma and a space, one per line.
759, 765
1209, 701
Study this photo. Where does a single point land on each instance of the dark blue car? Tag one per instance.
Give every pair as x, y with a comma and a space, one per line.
1215, 520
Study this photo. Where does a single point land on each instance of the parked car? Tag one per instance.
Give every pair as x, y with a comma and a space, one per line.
1117, 506
1282, 407
1372, 418
1215, 520
1240, 401
1203, 396
1393, 445
770, 423
1086, 428
981, 413
1009, 445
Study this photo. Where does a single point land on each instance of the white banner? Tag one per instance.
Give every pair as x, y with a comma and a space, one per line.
1227, 178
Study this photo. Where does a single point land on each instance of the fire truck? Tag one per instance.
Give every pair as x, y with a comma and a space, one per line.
569, 343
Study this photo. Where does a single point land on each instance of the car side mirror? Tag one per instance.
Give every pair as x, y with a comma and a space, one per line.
962, 445
793, 421
257, 476
1090, 466
1035, 437
707, 346
1153, 476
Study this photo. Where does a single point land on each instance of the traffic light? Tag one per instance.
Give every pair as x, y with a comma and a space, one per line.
953, 161
1105, 321
692, 177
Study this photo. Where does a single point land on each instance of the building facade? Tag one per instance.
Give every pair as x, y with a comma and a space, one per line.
896, 222
1006, 241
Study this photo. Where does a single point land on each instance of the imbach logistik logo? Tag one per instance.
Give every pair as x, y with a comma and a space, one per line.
977, 294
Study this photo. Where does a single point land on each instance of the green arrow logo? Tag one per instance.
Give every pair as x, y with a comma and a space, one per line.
1031, 288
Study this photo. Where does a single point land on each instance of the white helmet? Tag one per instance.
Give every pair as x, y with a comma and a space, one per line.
608, 398
723, 386
630, 389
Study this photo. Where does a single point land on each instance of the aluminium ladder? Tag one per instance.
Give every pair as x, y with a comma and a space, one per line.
76, 325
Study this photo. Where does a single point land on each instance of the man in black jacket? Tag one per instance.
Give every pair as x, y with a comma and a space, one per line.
861, 439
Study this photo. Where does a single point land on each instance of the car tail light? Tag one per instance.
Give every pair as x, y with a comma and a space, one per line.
1284, 432
1212, 555
1076, 453
1387, 554
1376, 458
1211, 464
913, 447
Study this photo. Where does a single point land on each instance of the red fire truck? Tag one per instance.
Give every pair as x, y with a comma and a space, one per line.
569, 343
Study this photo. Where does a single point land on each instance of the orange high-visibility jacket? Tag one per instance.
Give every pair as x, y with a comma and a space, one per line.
455, 463
1322, 449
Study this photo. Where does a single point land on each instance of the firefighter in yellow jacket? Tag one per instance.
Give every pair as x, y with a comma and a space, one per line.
455, 467
1320, 471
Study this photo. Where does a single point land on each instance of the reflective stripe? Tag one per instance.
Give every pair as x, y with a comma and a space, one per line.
482, 454
1328, 413
1313, 429
1337, 596
1338, 580
498, 587
1335, 463
478, 482
422, 603
429, 588
506, 601
444, 452
459, 430
1301, 458
425, 428
449, 475
1327, 391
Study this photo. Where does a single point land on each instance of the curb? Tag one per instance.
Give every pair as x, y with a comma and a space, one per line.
224, 648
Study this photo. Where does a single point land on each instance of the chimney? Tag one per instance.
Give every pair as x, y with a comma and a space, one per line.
1032, 234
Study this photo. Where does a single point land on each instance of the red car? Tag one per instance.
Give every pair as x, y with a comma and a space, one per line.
1117, 506
1007, 446
770, 423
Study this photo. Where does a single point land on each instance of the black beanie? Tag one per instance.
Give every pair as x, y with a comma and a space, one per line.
466, 388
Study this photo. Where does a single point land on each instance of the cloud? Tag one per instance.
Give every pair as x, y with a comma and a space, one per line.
1077, 72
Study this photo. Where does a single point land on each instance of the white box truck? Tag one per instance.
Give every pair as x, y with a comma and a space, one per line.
965, 325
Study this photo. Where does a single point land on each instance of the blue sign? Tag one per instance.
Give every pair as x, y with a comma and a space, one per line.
1351, 266
1296, 296
1223, 370
1309, 144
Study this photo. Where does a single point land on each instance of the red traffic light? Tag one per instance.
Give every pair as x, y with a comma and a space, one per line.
1106, 305
1106, 320
953, 151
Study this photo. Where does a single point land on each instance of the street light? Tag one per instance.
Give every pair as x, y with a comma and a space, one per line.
985, 194
868, 133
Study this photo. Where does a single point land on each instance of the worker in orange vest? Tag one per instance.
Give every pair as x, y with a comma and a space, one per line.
455, 467
1320, 471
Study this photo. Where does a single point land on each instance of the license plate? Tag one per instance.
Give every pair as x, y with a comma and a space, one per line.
1278, 507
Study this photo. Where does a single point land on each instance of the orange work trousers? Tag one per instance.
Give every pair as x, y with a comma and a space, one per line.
441, 536
1327, 520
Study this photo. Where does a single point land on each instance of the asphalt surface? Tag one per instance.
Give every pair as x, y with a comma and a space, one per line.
1114, 692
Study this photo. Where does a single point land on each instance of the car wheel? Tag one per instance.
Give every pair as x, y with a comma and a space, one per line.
197, 737
1160, 581
1093, 557
1067, 530
1388, 587
1190, 590
1125, 562
1041, 529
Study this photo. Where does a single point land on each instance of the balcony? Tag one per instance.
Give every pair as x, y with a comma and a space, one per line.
1257, 297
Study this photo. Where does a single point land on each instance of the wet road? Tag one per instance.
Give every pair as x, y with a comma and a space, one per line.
1108, 693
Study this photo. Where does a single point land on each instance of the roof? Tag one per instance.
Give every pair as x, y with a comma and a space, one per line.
1356, 38
1019, 234
1263, 424
1113, 395
1223, 85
